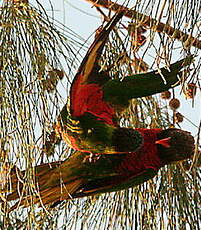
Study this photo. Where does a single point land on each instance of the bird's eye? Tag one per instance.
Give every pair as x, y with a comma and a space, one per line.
89, 131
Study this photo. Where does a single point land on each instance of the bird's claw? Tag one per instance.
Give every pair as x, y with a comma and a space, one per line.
91, 158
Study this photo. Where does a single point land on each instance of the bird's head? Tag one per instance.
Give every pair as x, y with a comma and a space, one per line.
126, 140
174, 145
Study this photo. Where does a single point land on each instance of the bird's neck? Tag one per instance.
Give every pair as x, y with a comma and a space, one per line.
146, 157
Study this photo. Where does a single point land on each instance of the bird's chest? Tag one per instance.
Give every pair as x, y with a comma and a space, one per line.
145, 158
89, 98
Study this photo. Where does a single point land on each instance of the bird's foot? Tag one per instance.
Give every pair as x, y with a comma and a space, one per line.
91, 158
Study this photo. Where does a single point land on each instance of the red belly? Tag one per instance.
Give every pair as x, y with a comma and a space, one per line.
88, 98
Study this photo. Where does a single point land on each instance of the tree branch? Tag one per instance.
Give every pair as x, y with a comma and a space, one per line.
153, 24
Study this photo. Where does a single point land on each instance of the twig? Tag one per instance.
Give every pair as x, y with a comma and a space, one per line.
153, 24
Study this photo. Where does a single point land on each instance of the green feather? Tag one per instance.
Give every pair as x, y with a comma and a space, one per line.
120, 92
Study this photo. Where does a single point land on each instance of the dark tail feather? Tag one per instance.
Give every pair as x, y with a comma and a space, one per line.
42, 173
92, 57
53, 182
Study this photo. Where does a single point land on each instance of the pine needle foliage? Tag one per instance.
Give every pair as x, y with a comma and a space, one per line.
35, 59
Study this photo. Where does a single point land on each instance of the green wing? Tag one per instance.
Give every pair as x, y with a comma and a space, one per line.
119, 92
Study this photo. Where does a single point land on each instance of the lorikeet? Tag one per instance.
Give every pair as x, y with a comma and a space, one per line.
81, 176
108, 157
90, 124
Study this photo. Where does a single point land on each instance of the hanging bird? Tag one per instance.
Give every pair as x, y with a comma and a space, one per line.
108, 157
81, 176
89, 123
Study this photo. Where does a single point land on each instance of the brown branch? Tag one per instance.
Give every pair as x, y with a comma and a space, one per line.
153, 24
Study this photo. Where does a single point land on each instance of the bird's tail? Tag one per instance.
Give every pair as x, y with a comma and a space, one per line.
91, 59
17, 178
52, 182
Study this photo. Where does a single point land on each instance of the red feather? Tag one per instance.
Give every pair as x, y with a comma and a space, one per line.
146, 157
88, 98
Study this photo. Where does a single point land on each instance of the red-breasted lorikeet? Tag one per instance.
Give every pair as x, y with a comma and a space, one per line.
80, 175
108, 157
90, 123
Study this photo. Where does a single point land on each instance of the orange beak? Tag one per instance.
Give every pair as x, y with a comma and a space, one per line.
164, 142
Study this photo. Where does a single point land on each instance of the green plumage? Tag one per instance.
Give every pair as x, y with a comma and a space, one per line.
120, 92
91, 121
